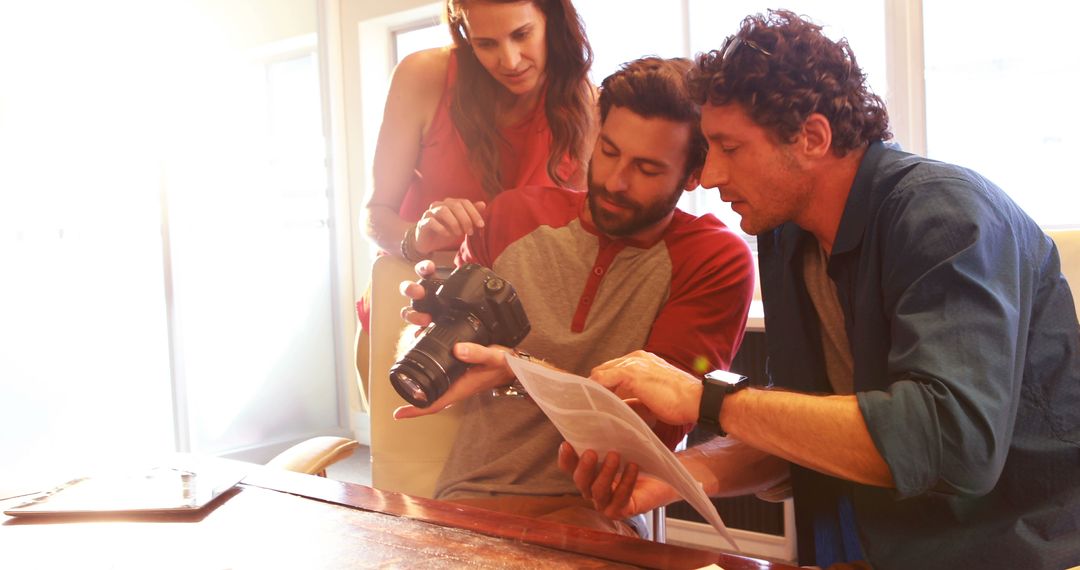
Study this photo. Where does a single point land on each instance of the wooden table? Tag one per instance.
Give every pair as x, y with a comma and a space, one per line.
277, 519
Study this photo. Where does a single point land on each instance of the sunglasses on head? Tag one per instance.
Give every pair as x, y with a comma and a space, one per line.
733, 43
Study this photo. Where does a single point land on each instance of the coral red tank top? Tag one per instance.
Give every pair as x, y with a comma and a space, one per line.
444, 172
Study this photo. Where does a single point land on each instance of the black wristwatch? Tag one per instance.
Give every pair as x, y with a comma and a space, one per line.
716, 385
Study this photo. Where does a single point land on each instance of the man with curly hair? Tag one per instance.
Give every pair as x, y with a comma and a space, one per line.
923, 396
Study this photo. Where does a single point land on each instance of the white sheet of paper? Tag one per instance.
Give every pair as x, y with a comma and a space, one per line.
590, 416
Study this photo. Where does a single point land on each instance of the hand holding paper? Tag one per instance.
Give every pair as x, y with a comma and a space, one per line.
672, 395
597, 481
589, 416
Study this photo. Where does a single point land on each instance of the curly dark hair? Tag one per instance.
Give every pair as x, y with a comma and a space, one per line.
781, 68
657, 87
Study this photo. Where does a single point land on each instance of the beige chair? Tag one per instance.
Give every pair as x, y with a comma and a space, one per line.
362, 350
363, 345
1068, 244
408, 455
314, 455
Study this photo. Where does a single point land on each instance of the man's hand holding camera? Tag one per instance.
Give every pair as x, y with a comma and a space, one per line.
488, 370
480, 306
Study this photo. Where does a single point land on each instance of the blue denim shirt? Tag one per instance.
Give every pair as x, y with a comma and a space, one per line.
966, 368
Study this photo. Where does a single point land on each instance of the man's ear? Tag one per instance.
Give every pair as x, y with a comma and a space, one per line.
816, 135
693, 180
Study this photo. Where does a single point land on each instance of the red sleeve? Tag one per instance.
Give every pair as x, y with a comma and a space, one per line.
478, 247
701, 326
512, 215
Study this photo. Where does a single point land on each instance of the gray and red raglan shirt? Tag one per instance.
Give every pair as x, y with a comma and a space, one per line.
591, 298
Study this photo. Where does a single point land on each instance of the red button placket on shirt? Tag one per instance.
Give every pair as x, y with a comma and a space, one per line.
608, 250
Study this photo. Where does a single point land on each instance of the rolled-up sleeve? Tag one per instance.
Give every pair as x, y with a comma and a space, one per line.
955, 292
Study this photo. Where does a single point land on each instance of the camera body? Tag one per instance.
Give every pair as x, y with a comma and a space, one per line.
474, 305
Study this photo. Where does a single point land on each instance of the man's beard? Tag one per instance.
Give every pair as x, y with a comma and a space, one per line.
639, 216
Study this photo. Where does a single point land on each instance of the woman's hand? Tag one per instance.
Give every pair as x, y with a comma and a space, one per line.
446, 223
673, 396
488, 370
616, 490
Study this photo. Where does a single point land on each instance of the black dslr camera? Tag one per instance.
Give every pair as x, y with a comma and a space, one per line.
473, 304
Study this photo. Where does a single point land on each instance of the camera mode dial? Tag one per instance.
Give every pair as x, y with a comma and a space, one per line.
494, 285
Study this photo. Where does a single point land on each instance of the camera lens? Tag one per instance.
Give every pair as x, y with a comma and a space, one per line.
471, 305
426, 371
418, 378
414, 389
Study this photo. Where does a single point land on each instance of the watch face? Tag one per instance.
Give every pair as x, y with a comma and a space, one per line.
725, 377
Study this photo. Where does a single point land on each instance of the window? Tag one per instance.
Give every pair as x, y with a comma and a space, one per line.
412, 38
250, 256
997, 99
84, 368
163, 234
643, 27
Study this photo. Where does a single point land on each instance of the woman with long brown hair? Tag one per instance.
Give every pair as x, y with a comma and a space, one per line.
509, 104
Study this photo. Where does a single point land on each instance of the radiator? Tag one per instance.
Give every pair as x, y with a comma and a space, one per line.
761, 528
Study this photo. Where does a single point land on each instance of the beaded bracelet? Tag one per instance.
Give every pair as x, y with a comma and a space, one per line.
408, 246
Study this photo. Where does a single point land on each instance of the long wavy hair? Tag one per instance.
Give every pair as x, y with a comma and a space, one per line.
781, 68
568, 96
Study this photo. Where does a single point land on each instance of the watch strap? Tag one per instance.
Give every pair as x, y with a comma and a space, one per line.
714, 387
712, 396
